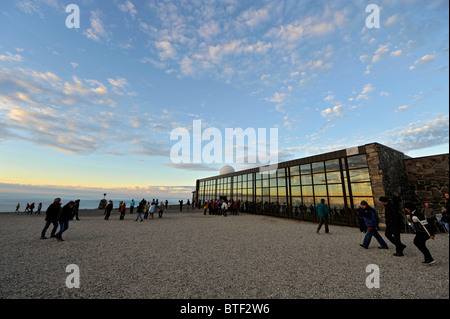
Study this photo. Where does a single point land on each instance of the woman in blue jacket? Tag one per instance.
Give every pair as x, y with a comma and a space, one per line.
371, 219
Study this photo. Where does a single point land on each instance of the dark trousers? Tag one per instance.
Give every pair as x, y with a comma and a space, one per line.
420, 242
323, 220
393, 235
47, 224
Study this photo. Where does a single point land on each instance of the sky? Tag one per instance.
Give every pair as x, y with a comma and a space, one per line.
90, 110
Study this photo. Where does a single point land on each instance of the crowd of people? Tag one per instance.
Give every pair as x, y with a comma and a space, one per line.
421, 222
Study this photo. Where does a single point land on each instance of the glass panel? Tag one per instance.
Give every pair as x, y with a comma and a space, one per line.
361, 189
337, 209
273, 182
309, 208
320, 190
295, 181
295, 191
296, 207
307, 190
359, 175
281, 172
250, 177
273, 191
305, 169
294, 170
306, 180
281, 191
334, 177
265, 183
357, 161
259, 192
357, 201
318, 167
332, 165
335, 190
258, 184
281, 181
265, 192
319, 178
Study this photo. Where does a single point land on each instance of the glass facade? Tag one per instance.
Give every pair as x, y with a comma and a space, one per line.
293, 191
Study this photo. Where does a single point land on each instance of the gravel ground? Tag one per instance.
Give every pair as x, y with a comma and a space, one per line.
189, 255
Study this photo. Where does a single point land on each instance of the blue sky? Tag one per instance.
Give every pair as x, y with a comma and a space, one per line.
92, 109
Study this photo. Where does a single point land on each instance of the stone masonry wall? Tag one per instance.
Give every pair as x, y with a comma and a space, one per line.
387, 174
428, 179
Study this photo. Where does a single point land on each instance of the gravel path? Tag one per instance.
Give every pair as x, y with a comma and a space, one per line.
189, 255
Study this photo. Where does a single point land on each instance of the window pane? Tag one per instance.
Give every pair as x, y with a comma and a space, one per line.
357, 161
295, 191
318, 167
281, 181
296, 207
282, 191
357, 201
361, 189
295, 181
337, 209
359, 175
319, 178
265, 192
305, 169
334, 177
273, 191
307, 190
320, 190
335, 190
332, 165
306, 180
265, 183
273, 182
309, 208
294, 170
281, 172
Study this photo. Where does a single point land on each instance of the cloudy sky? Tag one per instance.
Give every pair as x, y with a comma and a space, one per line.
92, 108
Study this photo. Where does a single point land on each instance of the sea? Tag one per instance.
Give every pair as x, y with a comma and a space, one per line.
8, 202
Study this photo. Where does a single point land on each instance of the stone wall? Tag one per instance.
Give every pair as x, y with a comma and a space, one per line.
387, 174
428, 179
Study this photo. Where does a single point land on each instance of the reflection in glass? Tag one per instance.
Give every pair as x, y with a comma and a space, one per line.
335, 190
294, 170
357, 161
295, 181
281, 182
359, 175
361, 189
309, 208
282, 191
307, 190
332, 165
357, 201
320, 190
318, 167
319, 178
306, 180
334, 177
305, 169
296, 207
337, 209
295, 191
281, 172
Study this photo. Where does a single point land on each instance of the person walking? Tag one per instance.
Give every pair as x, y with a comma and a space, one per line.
39, 209
152, 209
122, 210
63, 219
429, 214
132, 203
76, 207
17, 207
371, 219
224, 208
108, 209
444, 221
140, 209
423, 232
161, 209
394, 223
51, 217
322, 210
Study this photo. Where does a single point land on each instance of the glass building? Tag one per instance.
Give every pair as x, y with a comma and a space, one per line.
343, 178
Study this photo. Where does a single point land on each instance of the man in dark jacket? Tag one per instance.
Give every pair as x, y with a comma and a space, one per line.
371, 220
51, 217
63, 219
393, 225
423, 232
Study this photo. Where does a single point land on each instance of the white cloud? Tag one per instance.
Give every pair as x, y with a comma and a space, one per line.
10, 57
128, 7
380, 52
396, 53
97, 31
402, 108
